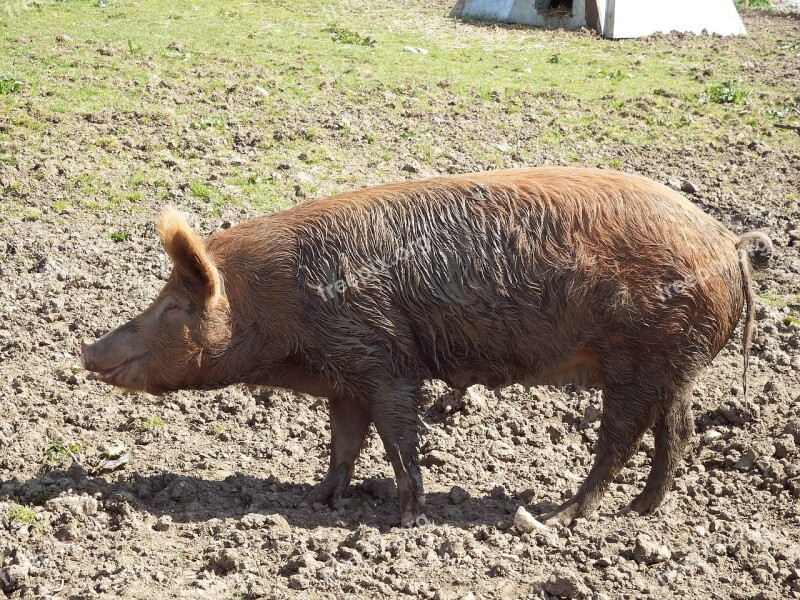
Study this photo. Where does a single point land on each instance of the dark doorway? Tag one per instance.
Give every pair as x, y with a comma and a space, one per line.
561, 6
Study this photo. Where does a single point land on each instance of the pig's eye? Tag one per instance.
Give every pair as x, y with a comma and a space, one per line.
172, 306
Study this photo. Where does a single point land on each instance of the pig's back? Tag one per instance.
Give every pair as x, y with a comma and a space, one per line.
512, 272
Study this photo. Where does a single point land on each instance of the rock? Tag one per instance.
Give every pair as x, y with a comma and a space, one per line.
229, 559
526, 523
565, 583
473, 402
502, 451
436, 458
648, 552
689, 188
592, 414
77, 505
299, 582
785, 446
14, 575
68, 533
458, 495
557, 434
278, 522
163, 524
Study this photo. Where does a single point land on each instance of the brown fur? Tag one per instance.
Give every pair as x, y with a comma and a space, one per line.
550, 275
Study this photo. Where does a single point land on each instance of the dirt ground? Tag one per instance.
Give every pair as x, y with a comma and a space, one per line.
207, 505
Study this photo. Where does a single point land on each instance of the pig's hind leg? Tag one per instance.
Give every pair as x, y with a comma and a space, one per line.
673, 430
349, 425
628, 411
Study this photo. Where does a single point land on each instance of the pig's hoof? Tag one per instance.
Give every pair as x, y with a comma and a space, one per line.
321, 494
410, 520
645, 503
563, 516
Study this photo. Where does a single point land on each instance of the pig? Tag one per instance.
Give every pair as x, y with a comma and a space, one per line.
533, 276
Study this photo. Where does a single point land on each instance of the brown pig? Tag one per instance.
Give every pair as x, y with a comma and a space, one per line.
533, 276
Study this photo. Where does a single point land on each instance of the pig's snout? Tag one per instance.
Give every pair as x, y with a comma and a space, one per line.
117, 358
87, 359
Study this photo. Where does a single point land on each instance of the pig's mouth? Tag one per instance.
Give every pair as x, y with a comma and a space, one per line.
120, 374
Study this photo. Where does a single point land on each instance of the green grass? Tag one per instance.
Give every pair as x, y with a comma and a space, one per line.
60, 452
155, 97
780, 301
22, 514
727, 92
119, 236
149, 425
342, 35
9, 85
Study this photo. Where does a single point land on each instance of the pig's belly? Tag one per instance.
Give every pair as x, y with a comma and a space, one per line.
581, 368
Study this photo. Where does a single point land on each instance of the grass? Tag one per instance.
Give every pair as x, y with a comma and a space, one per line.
169, 94
9, 85
149, 425
22, 514
781, 301
727, 92
119, 236
341, 35
59, 452
216, 429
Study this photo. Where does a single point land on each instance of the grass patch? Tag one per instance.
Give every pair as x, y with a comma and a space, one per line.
780, 301
149, 425
119, 236
60, 452
727, 92
22, 514
9, 85
202, 97
200, 190
341, 35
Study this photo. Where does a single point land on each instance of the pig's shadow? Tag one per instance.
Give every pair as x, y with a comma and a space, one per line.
189, 499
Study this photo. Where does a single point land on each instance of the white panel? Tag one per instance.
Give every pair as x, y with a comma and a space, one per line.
617, 18
636, 18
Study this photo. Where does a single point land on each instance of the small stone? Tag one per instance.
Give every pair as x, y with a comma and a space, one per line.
68, 533
163, 524
77, 505
785, 446
526, 523
229, 560
503, 451
435, 458
689, 188
648, 552
458, 495
592, 414
565, 583
298, 582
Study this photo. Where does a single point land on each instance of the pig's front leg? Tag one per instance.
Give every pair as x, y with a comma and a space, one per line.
394, 413
349, 424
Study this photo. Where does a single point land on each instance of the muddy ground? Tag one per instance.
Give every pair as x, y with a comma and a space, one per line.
207, 505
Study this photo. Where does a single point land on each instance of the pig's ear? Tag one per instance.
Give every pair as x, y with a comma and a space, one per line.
188, 253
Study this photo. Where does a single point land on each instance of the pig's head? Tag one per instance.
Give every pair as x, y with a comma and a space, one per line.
174, 342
